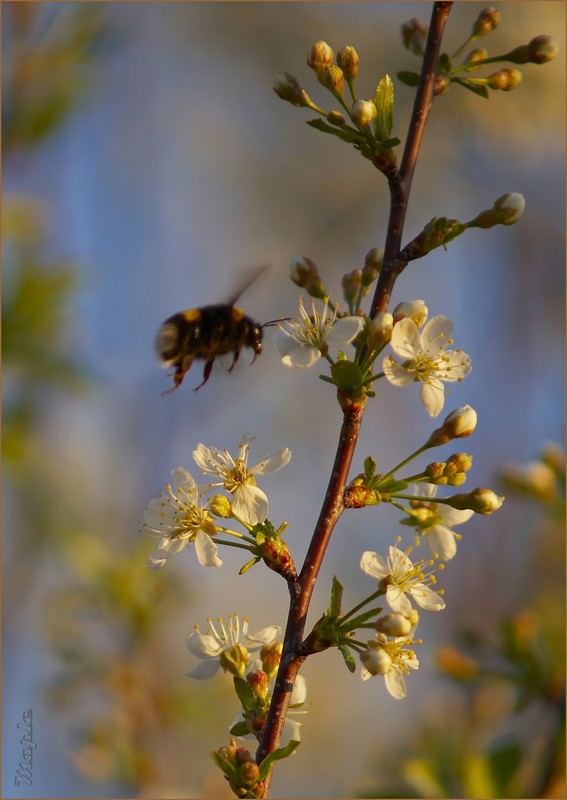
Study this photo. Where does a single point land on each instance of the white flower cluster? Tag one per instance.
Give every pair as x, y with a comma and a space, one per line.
180, 515
389, 654
229, 648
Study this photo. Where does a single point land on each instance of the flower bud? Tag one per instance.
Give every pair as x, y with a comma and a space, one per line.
478, 54
504, 80
543, 48
336, 118
376, 660
460, 423
249, 773
487, 21
363, 112
538, 51
333, 78
372, 265
352, 284
396, 624
380, 330
413, 36
506, 211
347, 59
258, 683
304, 273
288, 88
553, 455
480, 500
319, 57
414, 309
270, 656
220, 506
458, 462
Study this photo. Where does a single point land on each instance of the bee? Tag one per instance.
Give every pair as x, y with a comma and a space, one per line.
206, 333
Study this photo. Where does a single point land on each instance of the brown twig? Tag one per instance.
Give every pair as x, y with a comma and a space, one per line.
301, 590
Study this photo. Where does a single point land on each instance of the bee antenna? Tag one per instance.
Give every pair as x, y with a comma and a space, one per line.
275, 322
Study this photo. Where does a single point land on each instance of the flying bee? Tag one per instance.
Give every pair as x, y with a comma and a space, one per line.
206, 333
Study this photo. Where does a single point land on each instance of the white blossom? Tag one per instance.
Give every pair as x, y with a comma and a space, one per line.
179, 518
303, 343
436, 528
426, 359
249, 503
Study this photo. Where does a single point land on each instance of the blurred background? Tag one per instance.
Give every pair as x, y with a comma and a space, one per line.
146, 164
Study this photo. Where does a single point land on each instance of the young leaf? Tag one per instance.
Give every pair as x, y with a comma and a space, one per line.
283, 752
348, 657
384, 102
336, 597
245, 694
408, 78
476, 88
239, 729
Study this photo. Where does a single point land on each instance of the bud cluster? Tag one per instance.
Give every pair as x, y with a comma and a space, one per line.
539, 50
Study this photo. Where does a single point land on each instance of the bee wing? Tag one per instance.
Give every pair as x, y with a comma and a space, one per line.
246, 279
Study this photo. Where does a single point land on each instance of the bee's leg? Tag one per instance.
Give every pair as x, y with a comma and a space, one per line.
206, 374
234, 360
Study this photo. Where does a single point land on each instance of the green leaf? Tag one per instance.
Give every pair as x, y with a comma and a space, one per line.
245, 694
277, 755
348, 657
392, 485
248, 565
384, 102
336, 597
239, 729
346, 135
408, 78
359, 620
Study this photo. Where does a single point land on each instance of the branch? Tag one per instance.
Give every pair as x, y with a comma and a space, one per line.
400, 183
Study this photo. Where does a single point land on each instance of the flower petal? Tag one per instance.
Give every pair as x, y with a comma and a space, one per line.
426, 597
203, 645
441, 540
406, 338
206, 550
345, 330
432, 395
396, 373
272, 463
395, 684
397, 600
250, 504
374, 565
204, 670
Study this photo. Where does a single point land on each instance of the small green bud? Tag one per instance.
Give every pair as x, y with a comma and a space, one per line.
479, 54
487, 21
220, 506
414, 35
347, 59
441, 84
504, 80
363, 112
352, 284
336, 118
372, 265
